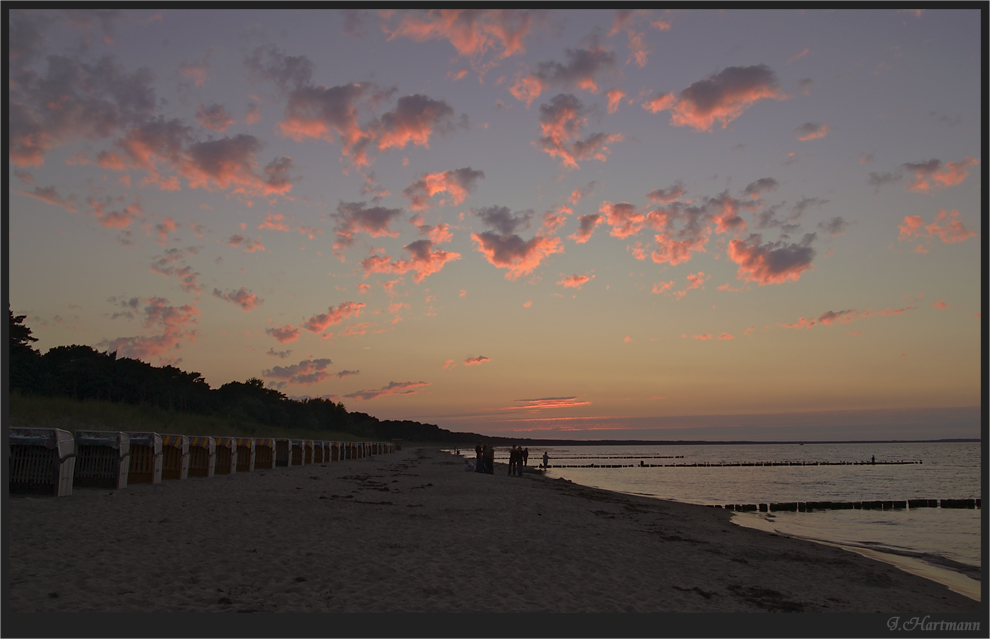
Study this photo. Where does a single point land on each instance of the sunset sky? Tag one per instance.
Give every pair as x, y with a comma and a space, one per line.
581, 224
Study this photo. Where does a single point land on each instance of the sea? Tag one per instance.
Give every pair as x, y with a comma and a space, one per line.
942, 544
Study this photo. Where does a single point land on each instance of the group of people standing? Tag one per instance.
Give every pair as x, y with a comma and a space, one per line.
485, 462
518, 457
486, 458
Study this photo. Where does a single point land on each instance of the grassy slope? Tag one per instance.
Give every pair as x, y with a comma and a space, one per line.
71, 415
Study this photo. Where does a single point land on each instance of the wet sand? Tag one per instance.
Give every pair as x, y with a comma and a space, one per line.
412, 532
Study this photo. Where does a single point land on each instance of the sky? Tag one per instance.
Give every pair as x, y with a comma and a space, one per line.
590, 224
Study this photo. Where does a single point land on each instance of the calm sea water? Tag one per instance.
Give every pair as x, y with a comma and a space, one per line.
939, 539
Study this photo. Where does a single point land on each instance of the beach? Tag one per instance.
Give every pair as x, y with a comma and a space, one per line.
413, 532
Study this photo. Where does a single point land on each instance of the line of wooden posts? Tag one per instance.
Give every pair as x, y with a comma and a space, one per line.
50, 461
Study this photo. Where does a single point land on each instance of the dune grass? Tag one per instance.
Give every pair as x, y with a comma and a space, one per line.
28, 411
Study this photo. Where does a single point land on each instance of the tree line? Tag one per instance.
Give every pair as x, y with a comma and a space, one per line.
84, 373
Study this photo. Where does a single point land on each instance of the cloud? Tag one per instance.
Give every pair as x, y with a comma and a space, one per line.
393, 388
241, 297
662, 287
725, 336
275, 222
480, 359
187, 277
665, 196
575, 281
174, 325
163, 228
547, 403
879, 179
583, 65
319, 323
50, 195
586, 226
319, 112
614, 99
278, 354
623, 217
561, 122
71, 99
230, 162
305, 373
706, 336
932, 175
503, 220
423, 261
947, 227
773, 262
449, 364
764, 185
798, 56
214, 117
720, 98
834, 227
414, 120
458, 183
520, 257
811, 131
250, 246
579, 193
473, 33
352, 217
284, 334
829, 318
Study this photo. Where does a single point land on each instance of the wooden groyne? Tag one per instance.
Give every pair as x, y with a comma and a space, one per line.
813, 506
743, 464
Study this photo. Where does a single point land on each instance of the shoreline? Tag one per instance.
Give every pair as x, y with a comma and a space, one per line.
951, 579
412, 532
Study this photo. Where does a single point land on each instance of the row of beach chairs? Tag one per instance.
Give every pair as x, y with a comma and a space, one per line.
51, 461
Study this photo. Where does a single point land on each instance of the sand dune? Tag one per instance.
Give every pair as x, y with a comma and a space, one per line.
413, 532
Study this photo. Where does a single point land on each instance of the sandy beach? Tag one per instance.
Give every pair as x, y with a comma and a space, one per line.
412, 532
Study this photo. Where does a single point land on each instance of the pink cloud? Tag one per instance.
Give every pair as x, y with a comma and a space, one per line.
305, 373
547, 403
614, 99
943, 175
811, 131
662, 287
553, 220
697, 280
187, 277
241, 297
801, 323
623, 217
798, 56
473, 33
771, 263
561, 122
423, 261
471, 361
580, 72
352, 217
50, 195
706, 336
393, 388
320, 322
724, 336
174, 324
163, 229
520, 257
674, 252
414, 120
449, 364
665, 196
575, 281
284, 334
941, 305
230, 163
586, 226
720, 98
214, 117
457, 183
196, 71
319, 112
947, 227
252, 114
275, 222
249, 245
829, 318
578, 194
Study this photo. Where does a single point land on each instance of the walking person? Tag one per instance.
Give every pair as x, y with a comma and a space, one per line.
546, 460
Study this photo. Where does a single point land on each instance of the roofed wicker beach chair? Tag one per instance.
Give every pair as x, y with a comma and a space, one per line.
40, 461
